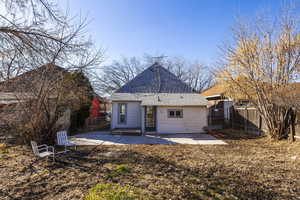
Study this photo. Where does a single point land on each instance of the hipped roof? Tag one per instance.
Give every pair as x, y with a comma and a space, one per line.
155, 79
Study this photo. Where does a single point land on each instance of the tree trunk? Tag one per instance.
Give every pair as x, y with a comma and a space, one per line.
293, 121
281, 128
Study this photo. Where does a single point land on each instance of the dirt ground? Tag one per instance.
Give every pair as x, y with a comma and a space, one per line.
246, 168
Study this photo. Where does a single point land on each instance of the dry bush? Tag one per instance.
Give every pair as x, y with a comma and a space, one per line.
262, 65
46, 59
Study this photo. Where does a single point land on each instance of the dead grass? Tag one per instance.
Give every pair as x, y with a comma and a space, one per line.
255, 168
110, 191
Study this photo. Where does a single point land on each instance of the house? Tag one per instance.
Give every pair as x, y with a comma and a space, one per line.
20, 88
56, 89
157, 101
25, 86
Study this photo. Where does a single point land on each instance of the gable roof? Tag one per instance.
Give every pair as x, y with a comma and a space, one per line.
155, 79
216, 90
31, 79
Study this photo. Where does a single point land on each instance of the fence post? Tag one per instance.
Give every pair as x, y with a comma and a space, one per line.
231, 116
260, 125
210, 116
245, 120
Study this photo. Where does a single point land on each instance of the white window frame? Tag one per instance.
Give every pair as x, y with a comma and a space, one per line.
119, 113
175, 116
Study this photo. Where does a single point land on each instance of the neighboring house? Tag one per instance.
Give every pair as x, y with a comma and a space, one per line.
31, 84
20, 88
32, 79
157, 101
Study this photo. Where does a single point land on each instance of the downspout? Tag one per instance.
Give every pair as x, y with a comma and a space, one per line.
143, 120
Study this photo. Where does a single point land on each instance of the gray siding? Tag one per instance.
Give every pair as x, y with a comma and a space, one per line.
193, 121
133, 119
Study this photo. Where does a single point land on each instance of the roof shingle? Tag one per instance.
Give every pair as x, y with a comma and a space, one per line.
155, 79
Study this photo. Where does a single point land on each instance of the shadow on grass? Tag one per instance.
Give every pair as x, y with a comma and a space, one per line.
212, 181
162, 178
234, 134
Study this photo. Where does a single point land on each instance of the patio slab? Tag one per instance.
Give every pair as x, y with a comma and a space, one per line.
105, 138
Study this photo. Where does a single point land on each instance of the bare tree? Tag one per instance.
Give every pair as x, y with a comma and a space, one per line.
263, 66
196, 75
178, 66
117, 74
43, 54
199, 77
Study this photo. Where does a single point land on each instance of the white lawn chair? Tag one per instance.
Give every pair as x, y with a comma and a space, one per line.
43, 150
62, 139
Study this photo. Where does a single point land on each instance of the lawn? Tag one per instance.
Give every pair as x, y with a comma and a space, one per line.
246, 168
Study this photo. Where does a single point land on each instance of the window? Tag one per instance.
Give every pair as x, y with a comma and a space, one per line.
175, 113
244, 102
122, 113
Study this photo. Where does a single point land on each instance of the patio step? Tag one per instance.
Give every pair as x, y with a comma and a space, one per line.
120, 131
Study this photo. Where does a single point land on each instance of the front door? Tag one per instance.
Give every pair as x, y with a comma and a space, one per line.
150, 118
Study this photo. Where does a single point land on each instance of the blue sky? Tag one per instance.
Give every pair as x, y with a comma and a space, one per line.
192, 29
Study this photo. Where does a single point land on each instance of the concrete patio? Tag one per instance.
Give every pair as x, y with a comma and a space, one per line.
105, 138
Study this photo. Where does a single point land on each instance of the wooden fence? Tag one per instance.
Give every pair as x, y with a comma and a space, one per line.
97, 123
248, 119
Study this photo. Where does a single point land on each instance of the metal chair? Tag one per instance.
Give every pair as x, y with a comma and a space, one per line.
62, 139
43, 150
